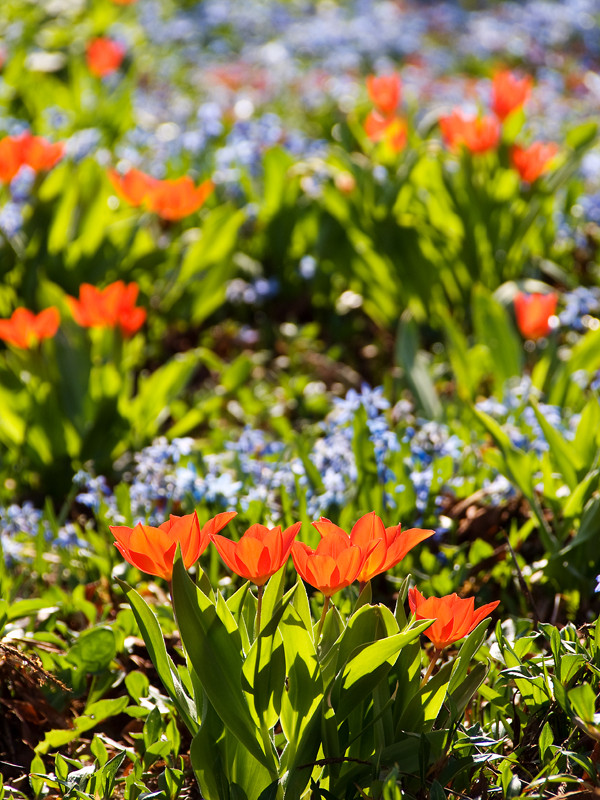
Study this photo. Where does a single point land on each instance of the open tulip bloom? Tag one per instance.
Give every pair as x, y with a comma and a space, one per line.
260, 553
26, 329
533, 313
152, 550
454, 618
381, 547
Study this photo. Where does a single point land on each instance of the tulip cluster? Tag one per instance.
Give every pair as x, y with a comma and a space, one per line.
111, 307
339, 559
170, 199
383, 124
480, 134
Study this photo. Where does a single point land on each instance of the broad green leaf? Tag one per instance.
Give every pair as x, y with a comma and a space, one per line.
152, 635
413, 362
424, 707
94, 650
263, 671
207, 754
582, 135
494, 328
301, 704
95, 714
583, 702
365, 669
151, 406
467, 650
212, 641
563, 453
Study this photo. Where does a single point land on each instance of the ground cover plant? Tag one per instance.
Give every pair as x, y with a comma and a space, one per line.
299, 414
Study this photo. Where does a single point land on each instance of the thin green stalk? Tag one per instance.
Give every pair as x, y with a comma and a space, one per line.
260, 593
432, 663
323, 615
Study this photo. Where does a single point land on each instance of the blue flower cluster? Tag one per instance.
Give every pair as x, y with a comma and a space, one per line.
21, 526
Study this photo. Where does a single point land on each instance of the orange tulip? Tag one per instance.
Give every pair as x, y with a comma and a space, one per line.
10, 158
134, 186
385, 92
260, 553
176, 199
124, 2
530, 162
382, 547
104, 56
26, 149
477, 134
26, 329
533, 312
509, 93
334, 565
152, 550
454, 617
109, 307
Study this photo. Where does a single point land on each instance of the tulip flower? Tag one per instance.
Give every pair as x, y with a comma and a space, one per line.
152, 550
385, 92
477, 134
382, 548
134, 186
530, 162
27, 150
26, 329
509, 93
170, 199
454, 617
334, 564
533, 312
260, 553
108, 308
104, 56
176, 199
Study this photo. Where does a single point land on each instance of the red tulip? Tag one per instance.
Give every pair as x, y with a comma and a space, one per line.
509, 93
454, 618
108, 308
134, 185
533, 312
26, 149
260, 553
334, 565
477, 134
104, 56
530, 162
175, 199
26, 329
385, 92
152, 550
382, 548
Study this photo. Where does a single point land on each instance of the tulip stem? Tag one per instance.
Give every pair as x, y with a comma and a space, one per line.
323, 615
436, 654
260, 591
